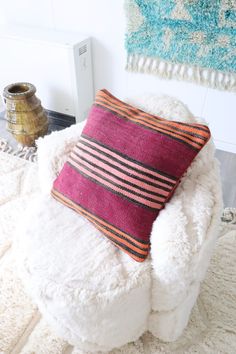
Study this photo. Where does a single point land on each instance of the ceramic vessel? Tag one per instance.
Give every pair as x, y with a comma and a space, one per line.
26, 119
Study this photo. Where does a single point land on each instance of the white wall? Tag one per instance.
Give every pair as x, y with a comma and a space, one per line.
104, 21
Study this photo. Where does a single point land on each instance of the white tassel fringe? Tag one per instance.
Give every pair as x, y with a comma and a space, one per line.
24, 152
207, 77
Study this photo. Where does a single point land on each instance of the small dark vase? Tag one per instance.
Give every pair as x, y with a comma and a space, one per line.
26, 119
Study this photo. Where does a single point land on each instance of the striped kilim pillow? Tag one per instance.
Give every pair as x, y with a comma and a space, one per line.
124, 168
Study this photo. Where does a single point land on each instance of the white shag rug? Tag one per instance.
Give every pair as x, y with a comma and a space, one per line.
212, 327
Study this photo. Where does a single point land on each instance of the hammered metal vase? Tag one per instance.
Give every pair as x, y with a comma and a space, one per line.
26, 119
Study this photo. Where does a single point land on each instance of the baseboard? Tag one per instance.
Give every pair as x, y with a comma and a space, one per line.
57, 118
225, 146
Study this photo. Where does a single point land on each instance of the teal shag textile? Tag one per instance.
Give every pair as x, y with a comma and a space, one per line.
193, 40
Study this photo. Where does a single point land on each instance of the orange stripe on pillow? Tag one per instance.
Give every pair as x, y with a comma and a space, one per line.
162, 130
139, 254
144, 245
196, 127
191, 133
194, 135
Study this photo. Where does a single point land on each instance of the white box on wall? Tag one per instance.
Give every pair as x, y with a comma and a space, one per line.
58, 63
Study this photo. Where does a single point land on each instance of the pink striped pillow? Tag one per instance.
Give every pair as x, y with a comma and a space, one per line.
124, 168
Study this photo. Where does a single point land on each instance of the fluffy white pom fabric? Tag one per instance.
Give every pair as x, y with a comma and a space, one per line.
94, 295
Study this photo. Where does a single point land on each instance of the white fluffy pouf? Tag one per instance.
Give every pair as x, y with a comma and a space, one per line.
97, 297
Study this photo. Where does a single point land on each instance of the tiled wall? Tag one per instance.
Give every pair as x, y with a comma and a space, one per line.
104, 21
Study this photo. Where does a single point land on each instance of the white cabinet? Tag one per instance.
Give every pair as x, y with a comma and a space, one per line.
58, 63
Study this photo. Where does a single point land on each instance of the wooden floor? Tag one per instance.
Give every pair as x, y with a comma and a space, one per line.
227, 161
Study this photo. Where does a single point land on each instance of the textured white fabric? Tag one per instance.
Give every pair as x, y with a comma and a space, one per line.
79, 280
53, 151
96, 296
211, 328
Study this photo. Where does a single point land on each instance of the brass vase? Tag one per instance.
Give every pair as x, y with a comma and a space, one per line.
26, 119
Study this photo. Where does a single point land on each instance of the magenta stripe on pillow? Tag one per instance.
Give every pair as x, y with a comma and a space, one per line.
113, 208
113, 128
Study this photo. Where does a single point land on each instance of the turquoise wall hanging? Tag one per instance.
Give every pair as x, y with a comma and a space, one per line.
193, 40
